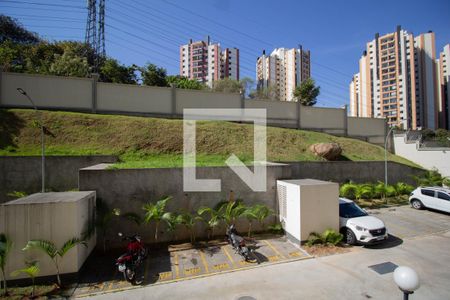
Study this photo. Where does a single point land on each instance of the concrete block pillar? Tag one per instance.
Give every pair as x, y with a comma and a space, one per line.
241, 93
95, 77
299, 109
345, 110
173, 87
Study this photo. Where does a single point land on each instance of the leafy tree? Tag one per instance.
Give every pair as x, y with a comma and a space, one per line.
246, 84
184, 82
70, 64
227, 85
307, 92
189, 221
5, 248
213, 219
53, 252
155, 212
153, 75
32, 270
12, 30
112, 71
268, 93
12, 57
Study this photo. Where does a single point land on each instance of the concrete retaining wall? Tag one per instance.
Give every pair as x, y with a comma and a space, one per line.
23, 173
360, 172
129, 189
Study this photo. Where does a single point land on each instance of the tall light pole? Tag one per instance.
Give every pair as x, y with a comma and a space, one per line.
385, 157
42, 138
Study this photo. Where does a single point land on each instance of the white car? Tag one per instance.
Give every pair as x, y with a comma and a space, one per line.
431, 197
357, 226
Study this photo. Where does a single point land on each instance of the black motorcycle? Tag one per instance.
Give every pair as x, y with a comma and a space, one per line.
129, 262
239, 245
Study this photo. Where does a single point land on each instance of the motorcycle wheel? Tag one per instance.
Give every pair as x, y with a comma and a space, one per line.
129, 274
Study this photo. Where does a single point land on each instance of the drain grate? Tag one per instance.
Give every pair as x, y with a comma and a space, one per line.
384, 268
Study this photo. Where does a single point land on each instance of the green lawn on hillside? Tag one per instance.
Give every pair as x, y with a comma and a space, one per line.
154, 142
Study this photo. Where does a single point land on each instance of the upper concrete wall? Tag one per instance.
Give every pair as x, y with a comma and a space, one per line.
365, 127
133, 98
329, 119
429, 158
46, 91
86, 94
23, 173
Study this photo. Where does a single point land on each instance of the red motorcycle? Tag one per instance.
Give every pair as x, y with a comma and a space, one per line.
130, 262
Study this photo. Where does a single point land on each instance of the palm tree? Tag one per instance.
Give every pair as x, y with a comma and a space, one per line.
348, 190
429, 178
188, 220
262, 212
251, 214
364, 191
5, 248
172, 221
231, 210
155, 212
402, 188
212, 221
104, 218
53, 252
32, 270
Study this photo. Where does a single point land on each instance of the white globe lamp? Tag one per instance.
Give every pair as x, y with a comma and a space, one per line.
407, 280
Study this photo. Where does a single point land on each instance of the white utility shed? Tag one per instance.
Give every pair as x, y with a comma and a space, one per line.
307, 205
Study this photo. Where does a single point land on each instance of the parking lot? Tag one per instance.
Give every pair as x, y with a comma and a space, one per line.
174, 264
406, 222
177, 263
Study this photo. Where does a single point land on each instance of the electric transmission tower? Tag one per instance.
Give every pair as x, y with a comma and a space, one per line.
94, 38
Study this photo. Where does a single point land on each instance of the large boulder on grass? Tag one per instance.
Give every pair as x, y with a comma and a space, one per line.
329, 151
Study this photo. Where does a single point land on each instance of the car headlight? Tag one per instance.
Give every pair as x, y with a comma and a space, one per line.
359, 228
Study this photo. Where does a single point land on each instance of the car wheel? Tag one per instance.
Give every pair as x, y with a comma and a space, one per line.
417, 204
350, 237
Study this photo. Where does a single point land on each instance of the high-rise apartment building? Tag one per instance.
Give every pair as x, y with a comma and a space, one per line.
207, 62
397, 80
443, 83
283, 70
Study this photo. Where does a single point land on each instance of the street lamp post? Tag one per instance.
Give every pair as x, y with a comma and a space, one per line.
385, 157
42, 138
407, 280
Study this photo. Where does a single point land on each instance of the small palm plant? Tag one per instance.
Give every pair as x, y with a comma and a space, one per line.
172, 221
348, 190
55, 254
328, 237
155, 212
250, 214
231, 211
402, 188
32, 270
262, 212
5, 248
364, 191
189, 221
429, 178
213, 219
103, 219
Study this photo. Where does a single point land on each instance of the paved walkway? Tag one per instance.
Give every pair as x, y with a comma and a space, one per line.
344, 276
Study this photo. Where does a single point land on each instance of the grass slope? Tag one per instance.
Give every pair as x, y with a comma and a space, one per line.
154, 142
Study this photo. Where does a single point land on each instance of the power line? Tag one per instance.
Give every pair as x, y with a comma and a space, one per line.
44, 4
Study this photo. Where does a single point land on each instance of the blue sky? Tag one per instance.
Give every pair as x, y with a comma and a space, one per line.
336, 32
